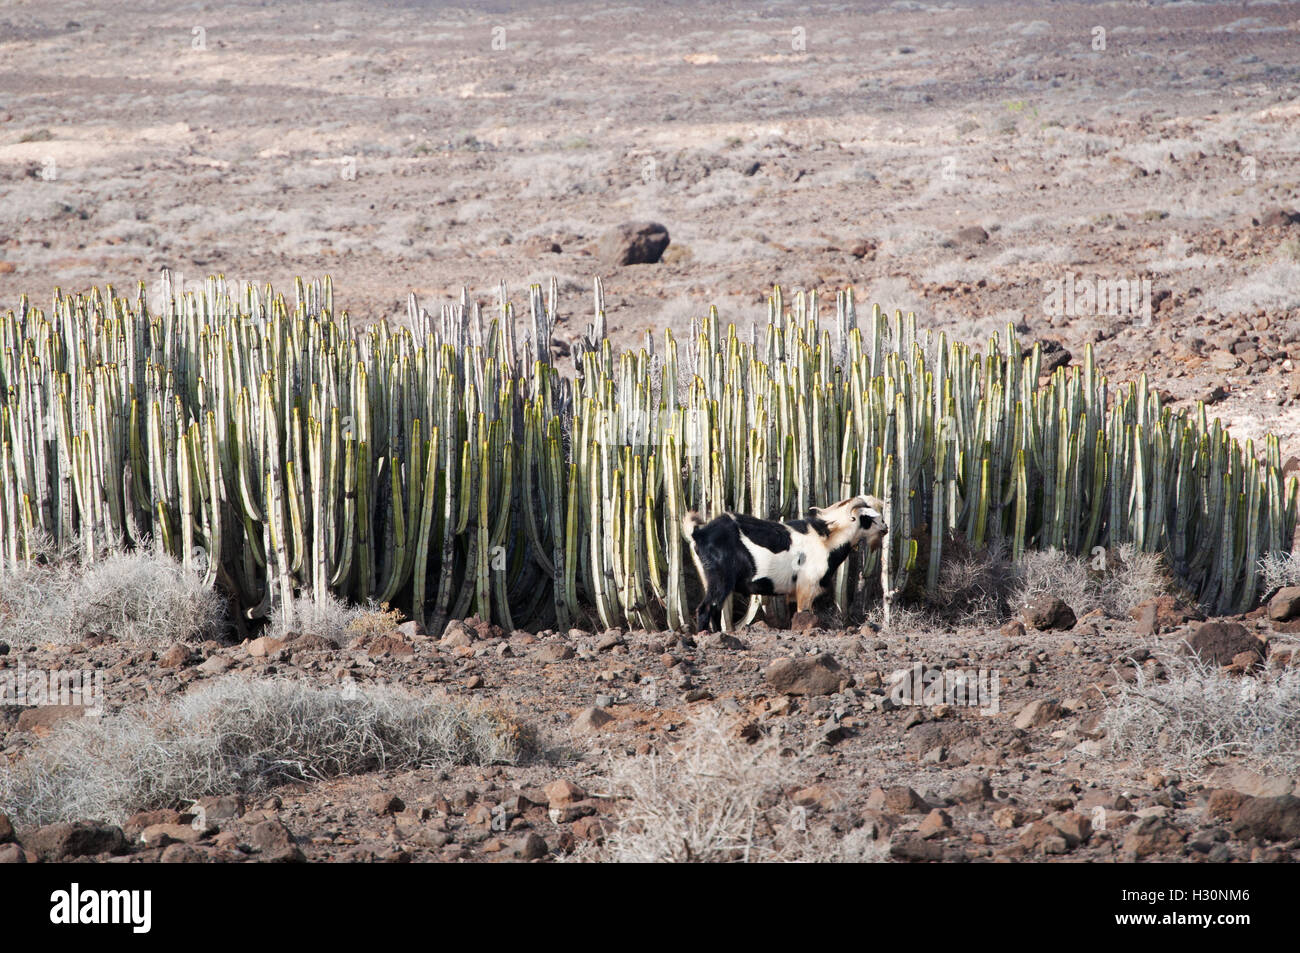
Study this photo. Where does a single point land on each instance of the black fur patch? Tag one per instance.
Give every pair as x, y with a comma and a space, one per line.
765, 533
818, 526
833, 561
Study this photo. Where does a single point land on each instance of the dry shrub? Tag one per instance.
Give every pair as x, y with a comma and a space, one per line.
333, 619
241, 736
135, 596
1114, 581
714, 798
1280, 570
1199, 717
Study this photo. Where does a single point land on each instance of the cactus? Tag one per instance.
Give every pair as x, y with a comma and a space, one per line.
450, 465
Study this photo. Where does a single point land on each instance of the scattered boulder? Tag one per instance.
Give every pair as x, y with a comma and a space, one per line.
1218, 643
1285, 605
12, 854
1037, 713
1153, 835
387, 804
456, 635
1163, 614
265, 646
897, 800
43, 718
275, 843
633, 243
936, 824
59, 842
553, 652
182, 854
972, 791
6, 829
821, 675
562, 793
530, 847
972, 235
387, 645
177, 656
1048, 613
1223, 803
591, 719
224, 807
1269, 818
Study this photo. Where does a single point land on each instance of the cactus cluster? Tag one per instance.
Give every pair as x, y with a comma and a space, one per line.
449, 467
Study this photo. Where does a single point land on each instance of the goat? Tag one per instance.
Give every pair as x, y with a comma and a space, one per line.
738, 553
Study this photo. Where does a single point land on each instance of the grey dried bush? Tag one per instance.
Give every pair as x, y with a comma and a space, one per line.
1114, 581
334, 619
974, 586
714, 798
241, 736
1280, 570
1199, 717
135, 596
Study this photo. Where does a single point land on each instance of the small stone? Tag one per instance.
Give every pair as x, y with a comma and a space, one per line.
182, 854
553, 652
6, 829
1048, 613
1285, 605
58, 842
936, 824
562, 793
12, 854
1218, 643
972, 235
633, 243
176, 657
591, 719
386, 804
1037, 713
43, 718
530, 847
1269, 818
821, 675
897, 800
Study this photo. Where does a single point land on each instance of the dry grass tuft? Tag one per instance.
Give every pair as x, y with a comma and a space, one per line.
135, 596
242, 736
1199, 717
713, 798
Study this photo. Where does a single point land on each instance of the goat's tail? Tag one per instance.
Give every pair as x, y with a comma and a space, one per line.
690, 523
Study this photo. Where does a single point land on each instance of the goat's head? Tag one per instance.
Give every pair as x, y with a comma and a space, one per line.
854, 520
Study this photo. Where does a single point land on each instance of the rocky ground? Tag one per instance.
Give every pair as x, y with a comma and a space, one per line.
1034, 780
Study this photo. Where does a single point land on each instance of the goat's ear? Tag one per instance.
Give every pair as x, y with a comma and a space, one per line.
813, 513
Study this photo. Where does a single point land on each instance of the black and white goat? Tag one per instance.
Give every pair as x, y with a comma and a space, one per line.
797, 558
